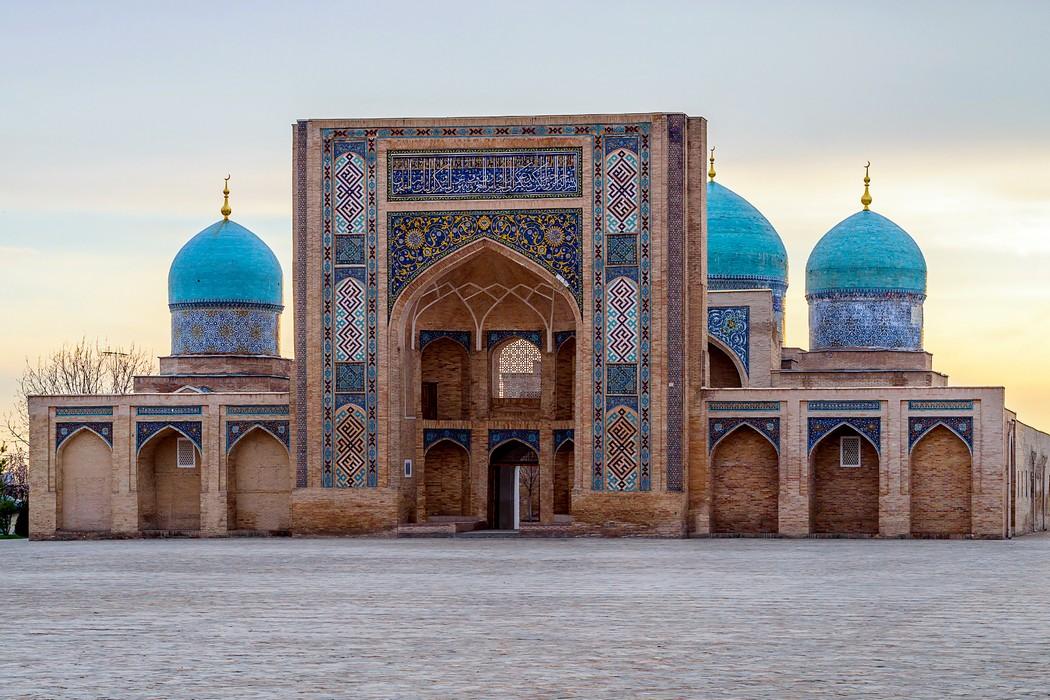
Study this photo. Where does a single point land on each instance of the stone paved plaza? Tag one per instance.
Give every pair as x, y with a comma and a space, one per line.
346, 618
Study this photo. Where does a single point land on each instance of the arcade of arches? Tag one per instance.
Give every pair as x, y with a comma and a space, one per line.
552, 323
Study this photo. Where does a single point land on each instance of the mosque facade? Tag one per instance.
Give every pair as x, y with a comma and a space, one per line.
550, 325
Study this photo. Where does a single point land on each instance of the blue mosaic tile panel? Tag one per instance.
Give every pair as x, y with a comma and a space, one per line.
61, 411
563, 436
733, 406
224, 330
843, 405
147, 429
548, 237
940, 405
718, 428
919, 426
529, 437
622, 250
732, 326
258, 410
432, 436
349, 250
169, 410
429, 336
350, 377
301, 429
622, 379
484, 174
65, 430
869, 427
351, 399
561, 337
236, 429
495, 337
890, 320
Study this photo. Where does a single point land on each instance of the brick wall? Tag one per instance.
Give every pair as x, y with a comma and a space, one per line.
845, 499
445, 473
85, 483
444, 362
941, 476
563, 479
565, 380
259, 486
746, 483
723, 373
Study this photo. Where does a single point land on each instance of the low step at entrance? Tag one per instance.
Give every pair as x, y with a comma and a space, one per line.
440, 526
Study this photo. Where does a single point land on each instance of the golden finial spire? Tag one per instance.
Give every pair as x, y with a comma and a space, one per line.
226, 211
711, 160
865, 198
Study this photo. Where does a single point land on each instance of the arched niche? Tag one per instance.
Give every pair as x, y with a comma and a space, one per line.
445, 381
168, 495
446, 480
844, 499
940, 488
259, 484
724, 371
85, 482
745, 483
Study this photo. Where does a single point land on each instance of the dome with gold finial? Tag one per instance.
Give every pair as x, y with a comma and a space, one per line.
225, 292
865, 284
744, 251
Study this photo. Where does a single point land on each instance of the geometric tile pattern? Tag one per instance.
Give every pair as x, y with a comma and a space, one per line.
718, 428
236, 429
350, 193
622, 326
865, 320
350, 322
65, 430
365, 142
843, 405
301, 369
732, 326
83, 411
432, 436
549, 237
918, 426
529, 437
169, 410
737, 406
219, 329
147, 429
351, 470
622, 313
349, 250
258, 410
350, 377
675, 420
932, 405
429, 336
870, 427
495, 337
484, 174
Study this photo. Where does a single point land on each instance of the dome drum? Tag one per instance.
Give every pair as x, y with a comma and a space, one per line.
225, 329
882, 320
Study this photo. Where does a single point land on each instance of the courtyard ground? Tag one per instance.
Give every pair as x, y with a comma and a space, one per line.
351, 618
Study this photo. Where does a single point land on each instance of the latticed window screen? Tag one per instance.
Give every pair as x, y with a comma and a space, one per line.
519, 371
184, 454
849, 451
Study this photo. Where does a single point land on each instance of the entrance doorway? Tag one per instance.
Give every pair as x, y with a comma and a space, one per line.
507, 464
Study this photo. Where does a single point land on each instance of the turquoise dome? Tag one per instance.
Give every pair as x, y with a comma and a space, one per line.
741, 243
867, 253
225, 263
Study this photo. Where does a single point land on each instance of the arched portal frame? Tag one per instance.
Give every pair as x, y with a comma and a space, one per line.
851, 494
396, 393
733, 358
84, 491
745, 423
253, 428
176, 510
744, 485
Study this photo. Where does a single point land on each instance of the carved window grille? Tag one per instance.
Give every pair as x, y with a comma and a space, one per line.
518, 371
185, 456
849, 452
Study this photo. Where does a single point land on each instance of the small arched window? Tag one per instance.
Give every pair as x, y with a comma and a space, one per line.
518, 371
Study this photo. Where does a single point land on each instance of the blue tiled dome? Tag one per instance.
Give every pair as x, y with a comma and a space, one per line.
866, 252
741, 243
225, 263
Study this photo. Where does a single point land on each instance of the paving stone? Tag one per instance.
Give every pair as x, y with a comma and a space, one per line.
584, 618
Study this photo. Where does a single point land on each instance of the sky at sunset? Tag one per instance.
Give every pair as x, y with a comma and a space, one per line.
121, 119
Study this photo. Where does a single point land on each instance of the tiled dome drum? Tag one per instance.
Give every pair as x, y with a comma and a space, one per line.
224, 292
744, 250
866, 283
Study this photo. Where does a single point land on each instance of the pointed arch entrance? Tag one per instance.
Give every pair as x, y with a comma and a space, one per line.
506, 330
745, 483
844, 484
513, 485
941, 485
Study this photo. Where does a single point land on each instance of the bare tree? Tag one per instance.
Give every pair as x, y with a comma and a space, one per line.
85, 367
530, 481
